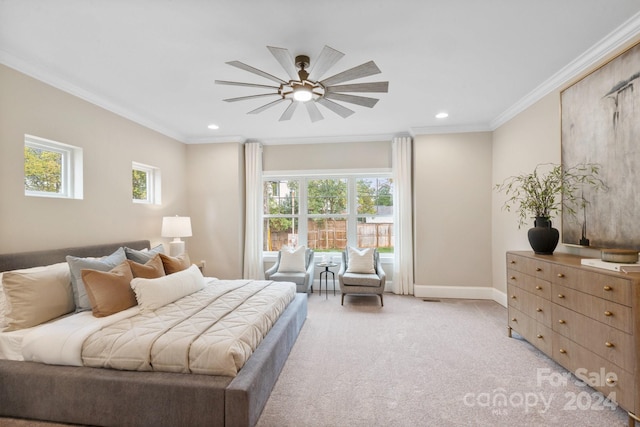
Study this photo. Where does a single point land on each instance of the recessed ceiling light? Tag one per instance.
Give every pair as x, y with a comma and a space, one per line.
442, 115
213, 126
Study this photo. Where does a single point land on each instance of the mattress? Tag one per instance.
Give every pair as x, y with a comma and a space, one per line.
213, 331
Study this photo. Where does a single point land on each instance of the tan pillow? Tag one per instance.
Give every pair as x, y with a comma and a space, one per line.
37, 295
152, 269
175, 264
109, 291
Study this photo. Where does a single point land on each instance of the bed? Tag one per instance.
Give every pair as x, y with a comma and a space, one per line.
98, 396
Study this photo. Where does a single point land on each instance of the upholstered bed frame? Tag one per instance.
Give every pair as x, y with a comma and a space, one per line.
91, 396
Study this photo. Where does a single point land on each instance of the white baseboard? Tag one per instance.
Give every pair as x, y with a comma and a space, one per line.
460, 292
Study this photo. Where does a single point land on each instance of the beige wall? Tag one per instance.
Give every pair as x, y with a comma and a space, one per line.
216, 203
452, 197
347, 156
110, 143
530, 138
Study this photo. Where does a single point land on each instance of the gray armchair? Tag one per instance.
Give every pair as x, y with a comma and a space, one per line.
357, 283
303, 281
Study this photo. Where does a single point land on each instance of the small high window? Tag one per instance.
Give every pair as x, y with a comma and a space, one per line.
145, 184
52, 169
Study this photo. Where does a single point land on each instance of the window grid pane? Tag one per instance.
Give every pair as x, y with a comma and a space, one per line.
43, 170
327, 196
279, 232
140, 185
281, 197
327, 234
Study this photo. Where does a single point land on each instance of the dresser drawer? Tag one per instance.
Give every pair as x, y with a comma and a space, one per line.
609, 343
538, 268
529, 283
533, 331
516, 262
616, 289
604, 376
532, 305
610, 313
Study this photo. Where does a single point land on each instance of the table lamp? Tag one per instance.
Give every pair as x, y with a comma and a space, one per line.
176, 227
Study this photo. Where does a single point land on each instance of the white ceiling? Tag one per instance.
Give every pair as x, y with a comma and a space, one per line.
155, 61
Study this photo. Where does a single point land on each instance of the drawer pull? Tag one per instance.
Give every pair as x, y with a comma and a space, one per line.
538, 309
539, 336
513, 297
563, 351
514, 320
513, 277
538, 288
562, 322
607, 288
611, 381
609, 344
560, 275
512, 262
538, 269
608, 313
560, 296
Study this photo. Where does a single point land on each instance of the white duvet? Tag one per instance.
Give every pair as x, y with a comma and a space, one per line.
212, 331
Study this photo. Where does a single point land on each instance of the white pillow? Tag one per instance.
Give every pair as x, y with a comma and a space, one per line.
292, 261
361, 261
155, 293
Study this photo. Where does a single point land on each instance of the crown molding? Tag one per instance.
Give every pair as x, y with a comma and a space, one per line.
49, 78
434, 130
327, 139
614, 40
237, 139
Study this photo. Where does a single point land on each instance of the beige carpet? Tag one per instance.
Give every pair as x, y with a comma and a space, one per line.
415, 363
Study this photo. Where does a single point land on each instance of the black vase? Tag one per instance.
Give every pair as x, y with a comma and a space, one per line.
543, 238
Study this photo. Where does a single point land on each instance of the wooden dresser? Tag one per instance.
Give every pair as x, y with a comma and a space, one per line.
582, 317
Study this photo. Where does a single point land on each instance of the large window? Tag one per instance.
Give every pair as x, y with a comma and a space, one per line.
52, 169
328, 213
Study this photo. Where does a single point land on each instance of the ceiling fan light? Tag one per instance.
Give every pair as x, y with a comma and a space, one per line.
302, 94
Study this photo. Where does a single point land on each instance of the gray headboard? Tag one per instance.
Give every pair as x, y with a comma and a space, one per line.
33, 259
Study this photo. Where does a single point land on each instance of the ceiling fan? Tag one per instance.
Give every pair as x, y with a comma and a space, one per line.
307, 87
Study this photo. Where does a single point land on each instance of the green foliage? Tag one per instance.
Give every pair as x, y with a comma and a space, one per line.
139, 185
366, 197
543, 194
42, 170
327, 196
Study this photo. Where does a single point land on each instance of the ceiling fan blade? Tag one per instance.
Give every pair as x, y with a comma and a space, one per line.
364, 70
286, 61
288, 113
313, 111
352, 99
360, 87
243, 98
253, 70
225, 82
264, 107
343, 112
327, 59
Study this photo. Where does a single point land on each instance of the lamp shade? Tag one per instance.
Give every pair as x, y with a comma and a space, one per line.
176, 226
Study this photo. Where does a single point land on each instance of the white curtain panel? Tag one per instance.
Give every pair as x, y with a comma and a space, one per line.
402, 216
253, 265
